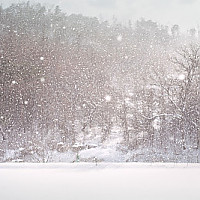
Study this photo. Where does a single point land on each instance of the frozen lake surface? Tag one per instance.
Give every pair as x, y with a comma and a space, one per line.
106, 181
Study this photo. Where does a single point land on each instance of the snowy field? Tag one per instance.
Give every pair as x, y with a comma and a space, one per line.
106, 181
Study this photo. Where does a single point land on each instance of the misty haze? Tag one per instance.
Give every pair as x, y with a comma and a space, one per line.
92, 91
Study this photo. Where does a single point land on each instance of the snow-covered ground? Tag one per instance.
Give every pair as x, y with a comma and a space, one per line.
106, 181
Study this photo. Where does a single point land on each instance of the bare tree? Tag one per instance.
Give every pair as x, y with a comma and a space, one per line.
181, 91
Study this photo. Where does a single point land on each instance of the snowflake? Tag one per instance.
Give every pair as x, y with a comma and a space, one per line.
130, 94
14, 82
108, 98
42, 79
2, 117
25, 102
181, 77
41, 58
119, 38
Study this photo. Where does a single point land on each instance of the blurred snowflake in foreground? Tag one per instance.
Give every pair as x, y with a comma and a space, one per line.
108, 98
42, 79
181, 77
119, 38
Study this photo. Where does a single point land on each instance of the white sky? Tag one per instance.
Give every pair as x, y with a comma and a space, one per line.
186, 13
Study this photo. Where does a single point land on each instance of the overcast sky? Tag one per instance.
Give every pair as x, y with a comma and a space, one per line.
186, 13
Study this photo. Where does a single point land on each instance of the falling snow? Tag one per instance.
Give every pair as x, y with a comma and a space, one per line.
108, 98
25, 102
119, 38
181, 77
79, 89
42, 79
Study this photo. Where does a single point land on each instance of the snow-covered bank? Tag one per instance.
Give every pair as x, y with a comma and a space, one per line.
93, 166
86, 181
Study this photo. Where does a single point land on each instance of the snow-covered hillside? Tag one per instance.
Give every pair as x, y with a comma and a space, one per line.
91, 148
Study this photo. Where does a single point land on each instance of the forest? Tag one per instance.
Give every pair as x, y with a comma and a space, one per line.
73, 85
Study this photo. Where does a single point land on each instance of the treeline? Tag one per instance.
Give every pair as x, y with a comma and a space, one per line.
62, 75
